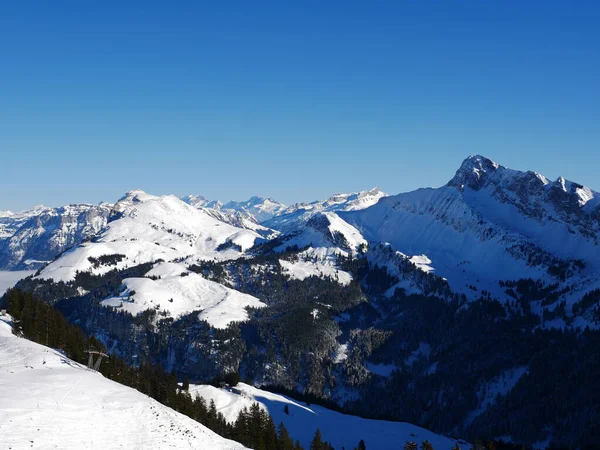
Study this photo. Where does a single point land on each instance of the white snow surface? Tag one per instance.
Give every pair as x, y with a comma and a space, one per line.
295, 216
326, 230
178, 295
338, 429
48, 401
484, 225
151, 228
261, 209
9, 278
319, 262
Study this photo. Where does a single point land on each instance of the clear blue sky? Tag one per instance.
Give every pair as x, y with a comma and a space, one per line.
294, 100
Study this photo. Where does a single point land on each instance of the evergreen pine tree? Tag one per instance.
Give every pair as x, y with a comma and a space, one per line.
426, 445
271, 438
317, 441
285, 441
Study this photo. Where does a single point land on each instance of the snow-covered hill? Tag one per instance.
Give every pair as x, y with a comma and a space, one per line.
342, 431
171, 288
145, 228
32, 238
318, 229
49, 401
489, 224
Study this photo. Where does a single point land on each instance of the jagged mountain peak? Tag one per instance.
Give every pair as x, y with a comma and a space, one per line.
533, 193
474, 172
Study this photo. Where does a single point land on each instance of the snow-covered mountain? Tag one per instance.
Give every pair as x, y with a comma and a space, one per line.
490, 223
301, 419
246, 214
144, 228
30, 239
257, 209
262, 209
199, 201
295, 216
50, 401
241, 219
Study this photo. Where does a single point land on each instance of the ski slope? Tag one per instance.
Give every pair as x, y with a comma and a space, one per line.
48, 401
340, 430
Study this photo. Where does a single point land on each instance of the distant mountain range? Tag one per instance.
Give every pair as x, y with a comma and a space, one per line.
32, 238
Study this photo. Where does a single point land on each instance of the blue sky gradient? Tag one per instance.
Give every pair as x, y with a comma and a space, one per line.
294, 100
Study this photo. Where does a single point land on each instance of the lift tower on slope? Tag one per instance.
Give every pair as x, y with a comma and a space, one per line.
91, 352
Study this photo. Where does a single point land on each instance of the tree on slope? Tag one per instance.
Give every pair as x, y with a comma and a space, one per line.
285, 441
317, 441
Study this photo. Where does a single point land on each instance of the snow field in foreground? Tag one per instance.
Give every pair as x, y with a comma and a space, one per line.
48, 401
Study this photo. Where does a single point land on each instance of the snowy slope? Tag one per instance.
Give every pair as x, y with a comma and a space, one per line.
318, 226
241, 219
319, 262
490, 223
48, 401
178, 295
323, 238
325, 230
145, 228
342, 431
